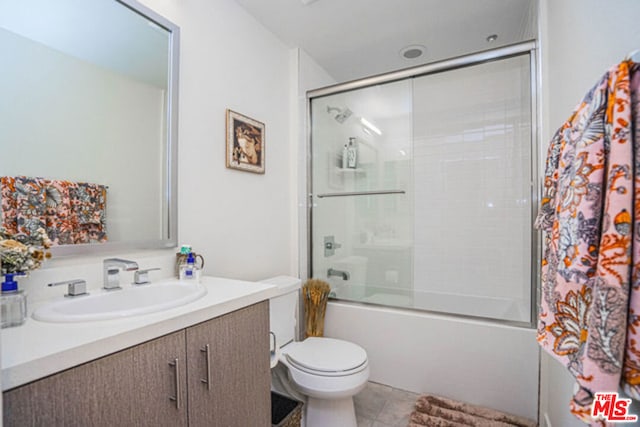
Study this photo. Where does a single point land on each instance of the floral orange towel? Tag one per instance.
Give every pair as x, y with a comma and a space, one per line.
590, 269
70, 212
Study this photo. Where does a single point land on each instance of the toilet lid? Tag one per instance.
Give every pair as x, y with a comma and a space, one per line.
327, 355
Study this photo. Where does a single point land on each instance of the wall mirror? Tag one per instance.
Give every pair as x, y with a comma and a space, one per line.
89, 103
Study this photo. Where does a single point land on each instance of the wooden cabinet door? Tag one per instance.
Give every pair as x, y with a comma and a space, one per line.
235, 390
160, 374
98, 393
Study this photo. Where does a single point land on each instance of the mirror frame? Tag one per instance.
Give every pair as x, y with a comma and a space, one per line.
171, 153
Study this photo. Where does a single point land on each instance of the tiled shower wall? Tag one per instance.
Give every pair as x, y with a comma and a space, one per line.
472, 175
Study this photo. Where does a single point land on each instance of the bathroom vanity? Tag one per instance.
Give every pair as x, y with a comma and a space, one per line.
206, 363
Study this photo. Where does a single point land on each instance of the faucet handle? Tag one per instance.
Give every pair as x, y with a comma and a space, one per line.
141, 277
75, 287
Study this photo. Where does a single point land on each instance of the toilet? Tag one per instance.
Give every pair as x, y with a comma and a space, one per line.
327, 372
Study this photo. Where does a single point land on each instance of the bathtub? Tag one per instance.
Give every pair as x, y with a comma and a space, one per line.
471, 360
509, 309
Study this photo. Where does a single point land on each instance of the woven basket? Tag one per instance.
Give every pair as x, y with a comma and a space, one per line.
294, 419
294, 416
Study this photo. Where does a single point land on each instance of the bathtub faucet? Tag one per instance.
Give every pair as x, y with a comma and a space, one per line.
339, 273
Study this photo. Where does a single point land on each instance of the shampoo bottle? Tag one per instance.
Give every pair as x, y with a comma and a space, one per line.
352, 154
345, 156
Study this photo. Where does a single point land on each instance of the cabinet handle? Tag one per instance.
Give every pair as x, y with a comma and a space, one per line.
176, 398
207, 380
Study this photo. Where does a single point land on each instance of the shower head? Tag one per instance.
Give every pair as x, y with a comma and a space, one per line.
342, 115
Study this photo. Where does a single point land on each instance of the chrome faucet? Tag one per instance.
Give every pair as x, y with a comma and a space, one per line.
112, 267
339, 273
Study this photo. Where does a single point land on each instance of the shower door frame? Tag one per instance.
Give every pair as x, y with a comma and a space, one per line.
518, 49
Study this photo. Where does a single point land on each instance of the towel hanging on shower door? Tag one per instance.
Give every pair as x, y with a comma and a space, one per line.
590, 212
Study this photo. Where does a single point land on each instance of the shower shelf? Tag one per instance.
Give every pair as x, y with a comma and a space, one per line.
360, 193
350, 170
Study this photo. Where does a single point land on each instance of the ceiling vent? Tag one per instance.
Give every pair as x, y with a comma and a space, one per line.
413, 51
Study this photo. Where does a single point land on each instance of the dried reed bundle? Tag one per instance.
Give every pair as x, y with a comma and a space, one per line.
315, 293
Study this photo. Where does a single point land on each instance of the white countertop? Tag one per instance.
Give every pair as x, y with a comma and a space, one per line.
38, 349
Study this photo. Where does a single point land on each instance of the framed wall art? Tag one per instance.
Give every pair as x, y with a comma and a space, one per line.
245, 143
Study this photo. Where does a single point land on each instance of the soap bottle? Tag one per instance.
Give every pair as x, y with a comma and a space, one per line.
345, 156
189, 270
352, 154
186, 268
13, 303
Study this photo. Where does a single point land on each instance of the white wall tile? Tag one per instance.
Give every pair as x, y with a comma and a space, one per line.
471, 201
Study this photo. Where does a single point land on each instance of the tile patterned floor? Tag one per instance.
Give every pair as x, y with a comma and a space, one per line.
379, 405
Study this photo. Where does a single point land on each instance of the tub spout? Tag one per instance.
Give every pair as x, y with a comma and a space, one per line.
339, 273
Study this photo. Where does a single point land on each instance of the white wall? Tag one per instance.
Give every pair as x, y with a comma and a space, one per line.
241, 222
580, 40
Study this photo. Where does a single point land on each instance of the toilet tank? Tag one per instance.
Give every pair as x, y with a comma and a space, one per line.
283, 309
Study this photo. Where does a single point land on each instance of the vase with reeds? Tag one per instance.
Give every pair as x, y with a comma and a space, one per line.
315, 294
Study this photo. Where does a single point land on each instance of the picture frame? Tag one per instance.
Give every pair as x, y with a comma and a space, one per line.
245, 138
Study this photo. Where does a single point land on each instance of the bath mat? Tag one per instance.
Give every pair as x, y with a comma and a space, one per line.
436, 411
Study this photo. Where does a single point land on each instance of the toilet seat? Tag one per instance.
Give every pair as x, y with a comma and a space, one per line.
326, 368
326, 357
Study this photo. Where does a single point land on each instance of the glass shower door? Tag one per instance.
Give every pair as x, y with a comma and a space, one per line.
436, 214
362, 223
473, 188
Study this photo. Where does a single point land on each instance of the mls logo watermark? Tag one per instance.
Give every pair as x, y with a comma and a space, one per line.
609, 407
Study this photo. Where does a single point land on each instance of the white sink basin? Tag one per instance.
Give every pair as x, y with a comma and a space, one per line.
131, 301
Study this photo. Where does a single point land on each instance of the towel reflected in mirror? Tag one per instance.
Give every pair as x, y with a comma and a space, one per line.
70, 212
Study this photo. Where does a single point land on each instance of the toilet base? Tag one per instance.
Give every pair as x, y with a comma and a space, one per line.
330, 412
